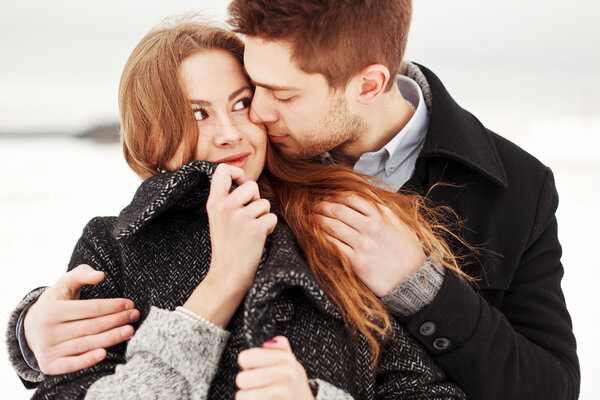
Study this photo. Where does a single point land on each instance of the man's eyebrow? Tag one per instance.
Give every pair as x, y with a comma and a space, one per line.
275, 88
231, 96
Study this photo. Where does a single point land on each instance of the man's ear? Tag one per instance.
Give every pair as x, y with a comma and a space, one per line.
372, 82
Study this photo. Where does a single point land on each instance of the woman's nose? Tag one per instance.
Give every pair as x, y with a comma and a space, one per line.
228, 134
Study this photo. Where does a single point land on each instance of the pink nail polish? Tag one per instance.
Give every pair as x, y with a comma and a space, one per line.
271, 341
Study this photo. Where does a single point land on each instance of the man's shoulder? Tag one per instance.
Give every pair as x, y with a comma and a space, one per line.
517, 162
456, 133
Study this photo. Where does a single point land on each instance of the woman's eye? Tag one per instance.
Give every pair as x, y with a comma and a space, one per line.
200, 115
242, 104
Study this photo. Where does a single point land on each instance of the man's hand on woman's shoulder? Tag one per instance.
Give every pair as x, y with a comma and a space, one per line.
67, 334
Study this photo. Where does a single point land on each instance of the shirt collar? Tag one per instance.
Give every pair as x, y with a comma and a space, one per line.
411, 136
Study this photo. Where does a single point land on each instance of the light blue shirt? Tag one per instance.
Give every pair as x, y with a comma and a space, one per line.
395, 162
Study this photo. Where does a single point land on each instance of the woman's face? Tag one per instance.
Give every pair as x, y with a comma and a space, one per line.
220, 97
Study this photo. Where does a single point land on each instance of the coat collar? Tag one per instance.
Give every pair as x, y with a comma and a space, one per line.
186, 187
454, 132
282, 267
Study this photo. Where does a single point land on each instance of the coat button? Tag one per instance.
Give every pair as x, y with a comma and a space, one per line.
441, 343
428, 328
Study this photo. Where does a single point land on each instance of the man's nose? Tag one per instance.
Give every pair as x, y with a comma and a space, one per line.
261, 109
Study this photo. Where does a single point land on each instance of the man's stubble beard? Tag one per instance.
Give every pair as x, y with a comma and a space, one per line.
337, 130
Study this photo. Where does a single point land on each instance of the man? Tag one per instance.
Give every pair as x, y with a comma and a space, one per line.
330, 81
325, 76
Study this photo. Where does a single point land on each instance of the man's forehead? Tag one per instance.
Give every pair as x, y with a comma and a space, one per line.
269, 64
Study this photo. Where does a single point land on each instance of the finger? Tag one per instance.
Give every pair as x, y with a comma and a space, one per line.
245, 193
92, 326
358, 204
269, 222
223, 177
263, 393
340, 231
258, 377
72, 310
66, 365
258, 208
259, 357
345, 214
69, 285
343, 247
278, 342
81, 345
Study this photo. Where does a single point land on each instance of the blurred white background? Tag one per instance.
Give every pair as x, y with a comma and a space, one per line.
529, 69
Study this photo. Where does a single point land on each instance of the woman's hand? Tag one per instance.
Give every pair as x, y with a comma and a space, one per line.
67, 334
240, 222
272, 372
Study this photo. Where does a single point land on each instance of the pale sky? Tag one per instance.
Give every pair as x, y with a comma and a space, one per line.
61, 60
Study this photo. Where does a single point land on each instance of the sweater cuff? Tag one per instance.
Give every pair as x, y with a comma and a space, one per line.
15, 356
172, 338
326, 391
418, 290
26, 351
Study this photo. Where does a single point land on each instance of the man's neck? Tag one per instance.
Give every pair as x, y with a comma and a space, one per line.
383, 120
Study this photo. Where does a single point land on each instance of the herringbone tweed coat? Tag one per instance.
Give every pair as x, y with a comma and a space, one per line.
158, 250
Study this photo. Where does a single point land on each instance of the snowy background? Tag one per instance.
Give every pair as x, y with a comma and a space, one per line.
530, 70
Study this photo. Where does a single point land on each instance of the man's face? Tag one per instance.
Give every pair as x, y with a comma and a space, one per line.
304, 117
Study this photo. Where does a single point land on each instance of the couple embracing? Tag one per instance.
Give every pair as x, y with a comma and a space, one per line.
280, 245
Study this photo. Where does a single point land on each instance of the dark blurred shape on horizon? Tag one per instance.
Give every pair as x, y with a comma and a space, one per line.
101, 133
105, 133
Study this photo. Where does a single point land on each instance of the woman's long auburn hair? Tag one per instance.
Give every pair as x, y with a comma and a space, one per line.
156, 120
299, 185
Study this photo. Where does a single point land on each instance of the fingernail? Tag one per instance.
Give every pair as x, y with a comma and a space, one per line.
128, 305
99, 354
126, 332
134, 315
271, 341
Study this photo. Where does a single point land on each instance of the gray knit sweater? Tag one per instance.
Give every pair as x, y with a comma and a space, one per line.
158, 250
159, 363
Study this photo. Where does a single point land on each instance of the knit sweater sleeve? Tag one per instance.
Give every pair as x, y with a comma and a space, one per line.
170, 356
417, 291
29, 376
326, 391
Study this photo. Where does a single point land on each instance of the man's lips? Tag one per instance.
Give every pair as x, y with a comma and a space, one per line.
237, 160
277, 139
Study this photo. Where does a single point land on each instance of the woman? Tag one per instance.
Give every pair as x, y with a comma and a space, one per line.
251, 311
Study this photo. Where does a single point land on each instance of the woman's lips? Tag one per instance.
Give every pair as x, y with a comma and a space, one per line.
237, 160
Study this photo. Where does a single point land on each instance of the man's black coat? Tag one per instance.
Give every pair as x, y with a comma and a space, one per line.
512, 337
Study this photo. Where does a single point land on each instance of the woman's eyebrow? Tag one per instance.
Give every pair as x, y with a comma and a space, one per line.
237, 92
231, 96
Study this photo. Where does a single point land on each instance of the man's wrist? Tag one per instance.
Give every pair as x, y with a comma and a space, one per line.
419, 290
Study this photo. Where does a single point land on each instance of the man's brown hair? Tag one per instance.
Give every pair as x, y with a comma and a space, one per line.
336, 38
